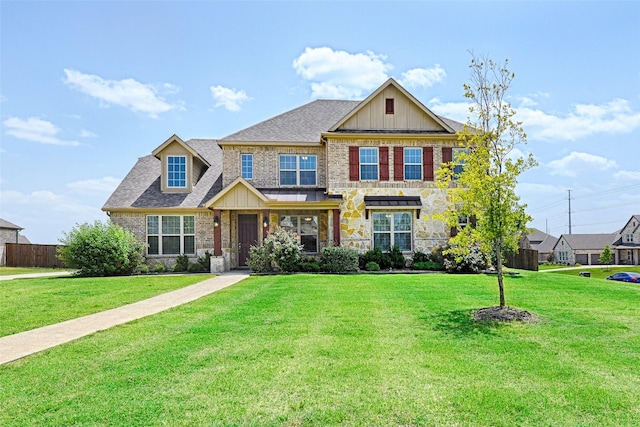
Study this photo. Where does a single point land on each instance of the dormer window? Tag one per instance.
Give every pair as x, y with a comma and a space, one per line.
389, 106
176, 171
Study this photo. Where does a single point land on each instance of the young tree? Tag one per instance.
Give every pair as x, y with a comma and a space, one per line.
605, 256
485, 171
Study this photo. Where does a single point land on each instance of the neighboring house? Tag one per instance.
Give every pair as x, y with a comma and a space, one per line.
358, 174
582, 249
626, 245
9, 233
543, 243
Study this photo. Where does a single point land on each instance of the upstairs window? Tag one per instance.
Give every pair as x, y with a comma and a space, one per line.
413, 164
629, 238
298, 169
246, 166
389, 106
458, 166
176, 171
368, 164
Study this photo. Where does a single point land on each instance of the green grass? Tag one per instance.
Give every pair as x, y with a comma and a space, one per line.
9, 271
32, 303
600, 273
360, 350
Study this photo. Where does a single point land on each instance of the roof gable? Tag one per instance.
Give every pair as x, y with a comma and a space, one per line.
176, 140
586, 241
238, 195
409, 114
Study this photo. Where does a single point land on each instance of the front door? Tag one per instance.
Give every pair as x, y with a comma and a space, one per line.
247, 236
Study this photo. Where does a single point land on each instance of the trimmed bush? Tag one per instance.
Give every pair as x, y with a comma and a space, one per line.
383, 260
427, 265
205, 261
182, 263
339, 259
101, 249
309, 265
196, 267
473, 262
159, 268
372, 266
396, 258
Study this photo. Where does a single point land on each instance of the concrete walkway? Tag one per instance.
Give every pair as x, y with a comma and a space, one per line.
13, 347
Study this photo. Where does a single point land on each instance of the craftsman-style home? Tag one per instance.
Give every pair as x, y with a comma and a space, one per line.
335, 172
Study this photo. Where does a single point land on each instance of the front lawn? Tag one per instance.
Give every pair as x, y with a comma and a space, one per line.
10, 271
356, 350
32, 303
600, 272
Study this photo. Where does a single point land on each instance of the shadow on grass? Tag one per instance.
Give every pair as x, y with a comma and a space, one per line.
460, 324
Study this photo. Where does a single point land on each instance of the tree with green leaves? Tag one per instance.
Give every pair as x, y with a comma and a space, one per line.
606, 257
483, 175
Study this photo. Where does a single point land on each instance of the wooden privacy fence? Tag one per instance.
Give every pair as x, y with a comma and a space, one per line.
525, 259
27, 255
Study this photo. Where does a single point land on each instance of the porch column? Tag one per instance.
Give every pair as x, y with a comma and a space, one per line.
336, 227
217, 233
265, 229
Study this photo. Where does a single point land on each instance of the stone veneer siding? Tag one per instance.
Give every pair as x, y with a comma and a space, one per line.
137, 223
355, 229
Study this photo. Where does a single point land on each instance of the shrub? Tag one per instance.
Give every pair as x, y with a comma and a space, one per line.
420, 257
142, 269
260, 259
339, 259
159, 268
196, 267
472, 262
372, 266
280, 248
426, 265
101, 249
205, 261
383, 260
396, 258
182, 263
309, 265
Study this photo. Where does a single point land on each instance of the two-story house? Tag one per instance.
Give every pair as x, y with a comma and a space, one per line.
335, 172
627, 242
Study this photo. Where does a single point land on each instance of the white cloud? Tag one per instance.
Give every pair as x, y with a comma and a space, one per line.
614, 117
128, 93
87, 134
458, 111
423, 77
35, 129
627, 175
340, 74
48, 201
576, 163
104, 185
231, 99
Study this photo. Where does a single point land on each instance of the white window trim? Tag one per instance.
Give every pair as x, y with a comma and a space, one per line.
392, 231
377, 163
298, 170
419, 164
182, 235
299, 235
242, 156
186, 172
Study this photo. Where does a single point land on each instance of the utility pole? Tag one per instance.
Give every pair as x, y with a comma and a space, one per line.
569, 211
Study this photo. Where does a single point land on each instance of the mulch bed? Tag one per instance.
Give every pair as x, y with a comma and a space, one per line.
504, 314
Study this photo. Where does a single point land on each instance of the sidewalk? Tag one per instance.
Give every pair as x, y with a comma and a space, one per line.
13, 347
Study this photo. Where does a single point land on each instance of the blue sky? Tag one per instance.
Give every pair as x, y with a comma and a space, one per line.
86, 88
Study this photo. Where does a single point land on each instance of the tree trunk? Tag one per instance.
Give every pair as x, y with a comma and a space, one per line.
498, 249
